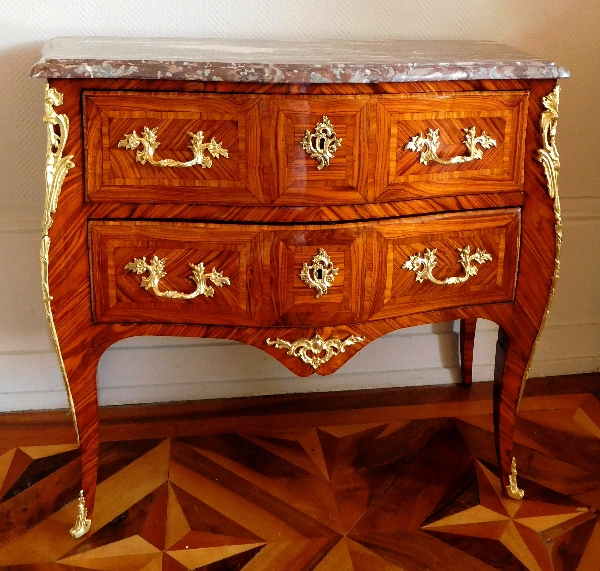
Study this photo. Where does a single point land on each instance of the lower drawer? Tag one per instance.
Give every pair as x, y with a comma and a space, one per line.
174, 272
300, 275
443, 261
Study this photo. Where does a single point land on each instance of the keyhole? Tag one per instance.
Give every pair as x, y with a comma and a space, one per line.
319, 274
322, 144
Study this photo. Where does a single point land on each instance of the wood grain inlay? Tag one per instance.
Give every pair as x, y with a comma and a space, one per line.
399, 171
114, 174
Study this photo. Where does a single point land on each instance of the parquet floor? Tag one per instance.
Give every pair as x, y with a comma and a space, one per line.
374, 481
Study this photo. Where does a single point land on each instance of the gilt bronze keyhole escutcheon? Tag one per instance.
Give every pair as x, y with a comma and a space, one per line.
320, 274
322, 143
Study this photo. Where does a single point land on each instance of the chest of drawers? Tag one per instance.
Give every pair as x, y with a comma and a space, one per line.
302, 205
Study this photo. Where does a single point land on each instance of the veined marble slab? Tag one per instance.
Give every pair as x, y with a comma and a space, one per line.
266, 61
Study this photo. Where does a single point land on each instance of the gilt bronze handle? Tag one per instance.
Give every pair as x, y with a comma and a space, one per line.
156, 271
149, 142
432, 142
423, 265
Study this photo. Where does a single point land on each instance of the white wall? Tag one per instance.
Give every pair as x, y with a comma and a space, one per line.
137, 370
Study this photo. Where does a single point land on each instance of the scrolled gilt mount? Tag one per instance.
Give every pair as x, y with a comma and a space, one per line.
57, 165
316, 351
424, 264
149, 142
548, 156
322, 143
156, 272
320, 274
57, 168
82, 523
432, 142
513, 489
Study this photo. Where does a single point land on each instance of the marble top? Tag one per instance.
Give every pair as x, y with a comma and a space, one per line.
270, 61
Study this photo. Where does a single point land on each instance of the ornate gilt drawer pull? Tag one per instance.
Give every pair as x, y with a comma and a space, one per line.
150, 144
424, 264
432, 142
317, 350
320, 274
156, 272
322, 143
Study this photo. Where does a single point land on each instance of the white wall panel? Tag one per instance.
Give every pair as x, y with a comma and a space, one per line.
144, 370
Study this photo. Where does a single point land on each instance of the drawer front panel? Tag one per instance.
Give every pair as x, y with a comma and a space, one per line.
312, 275
419, 262
270, 143
118, 295
296, 178
115, 172
295, 302
443, 122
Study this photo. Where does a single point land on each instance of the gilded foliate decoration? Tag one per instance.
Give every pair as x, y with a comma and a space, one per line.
432, 141
156, 271
323, 143
513, 489
149, 143
316, 351
320, 274
57, 167
82, 523
548, 156
424, 264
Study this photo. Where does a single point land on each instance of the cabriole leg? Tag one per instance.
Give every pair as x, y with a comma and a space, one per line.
467, 342
508, 376
81, 370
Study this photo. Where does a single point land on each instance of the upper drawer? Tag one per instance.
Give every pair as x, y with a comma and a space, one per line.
165, 154
301, 150
448, 144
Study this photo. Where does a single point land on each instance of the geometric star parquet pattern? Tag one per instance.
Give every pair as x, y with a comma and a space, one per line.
389, 495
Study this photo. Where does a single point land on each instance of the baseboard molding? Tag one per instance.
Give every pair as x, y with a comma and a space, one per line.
146, 370
566, 366
21, 220
584, 207
179, 418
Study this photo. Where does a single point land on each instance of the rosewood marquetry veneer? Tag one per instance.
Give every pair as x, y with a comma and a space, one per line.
306, 205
